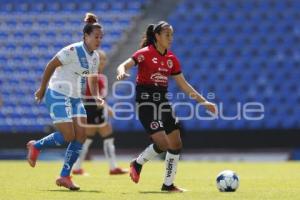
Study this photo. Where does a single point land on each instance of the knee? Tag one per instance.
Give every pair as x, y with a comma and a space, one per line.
163, 145
176, 145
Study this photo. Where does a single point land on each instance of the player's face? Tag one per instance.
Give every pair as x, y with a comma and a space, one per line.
165, 37
93, 40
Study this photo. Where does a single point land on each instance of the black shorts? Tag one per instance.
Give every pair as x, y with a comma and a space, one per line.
155, 114
95, 115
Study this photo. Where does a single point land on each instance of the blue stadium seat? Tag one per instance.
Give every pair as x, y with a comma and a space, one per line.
31, 33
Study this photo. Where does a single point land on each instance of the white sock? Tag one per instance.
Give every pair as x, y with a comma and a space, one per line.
148, 154
171, 167
85, 148
109, 152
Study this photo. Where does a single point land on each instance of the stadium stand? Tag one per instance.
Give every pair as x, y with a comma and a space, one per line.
31, 33
243, 51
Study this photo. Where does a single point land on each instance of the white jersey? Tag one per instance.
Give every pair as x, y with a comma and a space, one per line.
77, 63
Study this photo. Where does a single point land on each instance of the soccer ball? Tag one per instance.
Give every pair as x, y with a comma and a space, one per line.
228, 181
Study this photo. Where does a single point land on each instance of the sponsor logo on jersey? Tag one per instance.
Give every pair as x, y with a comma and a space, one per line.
170, 63
163, 69
159, 78
154, 60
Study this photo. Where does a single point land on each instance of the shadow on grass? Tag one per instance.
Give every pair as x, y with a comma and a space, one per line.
81, 191
153, 192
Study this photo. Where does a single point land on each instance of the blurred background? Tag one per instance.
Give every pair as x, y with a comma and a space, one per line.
235, 52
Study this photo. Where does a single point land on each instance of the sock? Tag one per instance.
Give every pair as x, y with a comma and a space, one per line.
109, 152
148, 154
171, 161
54, 139
71, 156
85, 148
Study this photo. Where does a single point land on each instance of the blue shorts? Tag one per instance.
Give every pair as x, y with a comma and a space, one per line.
63, 108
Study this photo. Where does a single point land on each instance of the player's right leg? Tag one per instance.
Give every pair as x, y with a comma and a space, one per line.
57, 105
159, 145
147, 116
77, 167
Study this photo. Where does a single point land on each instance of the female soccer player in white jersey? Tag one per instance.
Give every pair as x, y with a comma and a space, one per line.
66, 73
97, 120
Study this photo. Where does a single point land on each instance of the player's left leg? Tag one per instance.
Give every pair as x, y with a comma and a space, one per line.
106, 133
75, 146
172, 127
171, 161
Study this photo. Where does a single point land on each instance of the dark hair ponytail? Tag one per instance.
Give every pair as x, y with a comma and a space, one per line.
149, 35
91, 22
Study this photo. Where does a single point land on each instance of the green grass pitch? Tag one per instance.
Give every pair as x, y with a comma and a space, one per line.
263, 181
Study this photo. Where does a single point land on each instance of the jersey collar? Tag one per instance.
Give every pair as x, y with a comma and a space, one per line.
154, 47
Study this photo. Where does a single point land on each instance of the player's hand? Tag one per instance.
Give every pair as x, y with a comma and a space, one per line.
211, 107
39, 94
99, 102
122, 75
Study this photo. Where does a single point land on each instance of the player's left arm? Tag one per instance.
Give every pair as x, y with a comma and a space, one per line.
189, 90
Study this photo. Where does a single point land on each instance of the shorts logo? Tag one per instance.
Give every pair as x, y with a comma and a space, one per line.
154, 125
170, 63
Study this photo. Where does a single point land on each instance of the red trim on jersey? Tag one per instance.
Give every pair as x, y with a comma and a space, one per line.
102, 86
155, 68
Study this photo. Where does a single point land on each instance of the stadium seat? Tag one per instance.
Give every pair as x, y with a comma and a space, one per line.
31, 33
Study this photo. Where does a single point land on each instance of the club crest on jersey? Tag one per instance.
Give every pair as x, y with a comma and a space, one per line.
154, 60
170, 63
154, 125
140, 58
94, 61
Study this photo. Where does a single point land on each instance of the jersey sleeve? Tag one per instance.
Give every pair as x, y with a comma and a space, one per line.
176, 69
66, 55
138, 57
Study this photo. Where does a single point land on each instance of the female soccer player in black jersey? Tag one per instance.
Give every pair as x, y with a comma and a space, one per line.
155, 64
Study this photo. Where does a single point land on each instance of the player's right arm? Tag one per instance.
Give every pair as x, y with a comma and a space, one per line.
49, 70
122, 70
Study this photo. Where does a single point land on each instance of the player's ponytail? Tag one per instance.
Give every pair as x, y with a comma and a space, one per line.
91, 22
148, 37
